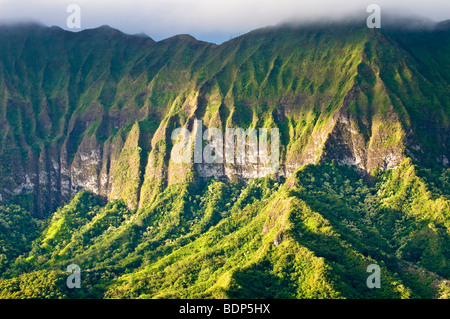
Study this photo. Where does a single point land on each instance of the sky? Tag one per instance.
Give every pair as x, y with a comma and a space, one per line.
208, 20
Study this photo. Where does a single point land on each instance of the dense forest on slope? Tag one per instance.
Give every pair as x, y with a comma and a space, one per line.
86, 177
311, 237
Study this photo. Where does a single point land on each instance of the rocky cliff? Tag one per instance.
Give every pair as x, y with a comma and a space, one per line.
96, 109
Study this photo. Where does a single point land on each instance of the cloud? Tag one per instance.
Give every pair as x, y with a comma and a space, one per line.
212, 20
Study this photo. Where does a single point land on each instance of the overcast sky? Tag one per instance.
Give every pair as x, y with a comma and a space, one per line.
209, 20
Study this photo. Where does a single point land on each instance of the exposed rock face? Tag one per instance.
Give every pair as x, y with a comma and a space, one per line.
99, 115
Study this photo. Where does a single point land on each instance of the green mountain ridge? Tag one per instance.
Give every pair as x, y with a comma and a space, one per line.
85, 125
253, 80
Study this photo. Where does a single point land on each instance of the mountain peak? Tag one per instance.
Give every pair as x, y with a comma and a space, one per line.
104, 29
181, 37
444, 25
20, 27
109, 32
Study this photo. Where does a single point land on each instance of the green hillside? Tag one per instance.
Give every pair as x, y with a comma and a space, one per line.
85, 172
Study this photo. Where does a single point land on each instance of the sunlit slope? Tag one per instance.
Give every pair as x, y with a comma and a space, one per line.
312, 237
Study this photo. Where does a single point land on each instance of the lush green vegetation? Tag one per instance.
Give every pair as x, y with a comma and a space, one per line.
17, 231
95, 111
310, 237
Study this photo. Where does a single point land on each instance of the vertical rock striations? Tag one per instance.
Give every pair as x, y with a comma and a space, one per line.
96, 109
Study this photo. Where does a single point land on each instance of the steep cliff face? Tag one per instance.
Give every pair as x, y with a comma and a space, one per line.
96, 109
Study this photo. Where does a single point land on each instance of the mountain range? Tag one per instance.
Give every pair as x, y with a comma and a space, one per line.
86, 176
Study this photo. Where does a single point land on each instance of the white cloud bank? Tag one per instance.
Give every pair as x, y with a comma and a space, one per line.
211, 20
